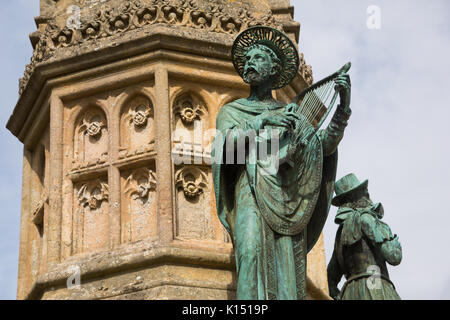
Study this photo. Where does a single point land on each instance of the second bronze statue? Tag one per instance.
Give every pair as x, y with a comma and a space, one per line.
363, 245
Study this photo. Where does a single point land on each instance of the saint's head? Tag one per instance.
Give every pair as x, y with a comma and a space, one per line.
261, 54
262, 65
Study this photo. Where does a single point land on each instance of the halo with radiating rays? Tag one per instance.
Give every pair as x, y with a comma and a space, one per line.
275, 40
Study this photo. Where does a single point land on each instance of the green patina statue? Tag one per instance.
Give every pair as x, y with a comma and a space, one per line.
274, 216
363, 245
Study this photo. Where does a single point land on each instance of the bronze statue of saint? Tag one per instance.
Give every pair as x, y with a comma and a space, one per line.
274, 217
363, 245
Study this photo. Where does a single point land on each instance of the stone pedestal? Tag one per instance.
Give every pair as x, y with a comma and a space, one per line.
116, 112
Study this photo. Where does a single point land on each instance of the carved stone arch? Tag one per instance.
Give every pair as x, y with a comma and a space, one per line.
92, 193
190, 121
82, 106
138, 217
194, 205
137, 134
90, 137
127, 95
91, 217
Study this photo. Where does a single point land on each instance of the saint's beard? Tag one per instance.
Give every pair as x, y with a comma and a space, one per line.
256, 76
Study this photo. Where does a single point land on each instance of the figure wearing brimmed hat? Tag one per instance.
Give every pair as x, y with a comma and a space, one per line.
274, 216
363, 245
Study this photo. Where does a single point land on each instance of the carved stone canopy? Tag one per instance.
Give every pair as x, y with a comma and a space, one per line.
116, 17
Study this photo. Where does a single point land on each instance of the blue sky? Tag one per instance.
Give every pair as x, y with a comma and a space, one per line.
17, 21
397, 136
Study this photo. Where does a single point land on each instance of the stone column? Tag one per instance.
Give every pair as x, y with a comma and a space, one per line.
55, 196
163, 157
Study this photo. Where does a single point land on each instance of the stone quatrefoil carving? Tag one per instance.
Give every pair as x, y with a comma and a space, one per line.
106, 21
192, 181
92, 194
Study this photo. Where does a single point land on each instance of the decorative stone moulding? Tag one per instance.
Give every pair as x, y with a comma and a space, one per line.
38, 211
92, 128
138, 153
91, 216
107, 20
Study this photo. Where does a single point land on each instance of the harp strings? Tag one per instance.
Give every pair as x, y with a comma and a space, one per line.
314, 101
303, 109
318, 103
317, 100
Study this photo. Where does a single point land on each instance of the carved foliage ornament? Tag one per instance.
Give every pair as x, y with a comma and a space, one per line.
92, 194
139, 115
192, 181
106, 21
139, 183
93, 127
188, 109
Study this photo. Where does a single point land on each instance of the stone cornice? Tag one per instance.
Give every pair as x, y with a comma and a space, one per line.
99, 264
107, 26
67, 63
156, 37
106, 22
109, 262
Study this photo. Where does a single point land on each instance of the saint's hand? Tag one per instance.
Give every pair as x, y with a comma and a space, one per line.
285, 120
343, 86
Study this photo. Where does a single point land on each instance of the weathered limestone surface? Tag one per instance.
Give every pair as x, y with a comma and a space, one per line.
104, 113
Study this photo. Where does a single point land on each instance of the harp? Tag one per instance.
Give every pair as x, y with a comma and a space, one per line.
317, 101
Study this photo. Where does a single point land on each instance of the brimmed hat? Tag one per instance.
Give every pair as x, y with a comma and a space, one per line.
275, 40
345, 186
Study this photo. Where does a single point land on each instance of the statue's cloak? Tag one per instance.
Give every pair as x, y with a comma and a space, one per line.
353, 229
295, 199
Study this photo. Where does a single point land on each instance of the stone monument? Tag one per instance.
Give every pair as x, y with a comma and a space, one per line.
115, 114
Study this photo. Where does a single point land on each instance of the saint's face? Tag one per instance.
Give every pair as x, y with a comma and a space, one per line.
258, 65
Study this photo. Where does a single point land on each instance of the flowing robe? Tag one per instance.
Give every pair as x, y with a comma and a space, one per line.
274, 219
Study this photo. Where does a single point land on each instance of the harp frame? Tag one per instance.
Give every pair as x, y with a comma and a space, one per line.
316, 96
